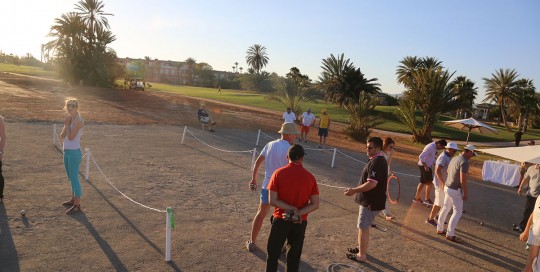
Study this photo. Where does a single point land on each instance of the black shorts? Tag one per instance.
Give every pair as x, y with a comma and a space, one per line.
426, 177
323, 132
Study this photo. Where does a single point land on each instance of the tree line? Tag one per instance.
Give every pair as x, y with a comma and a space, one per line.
80, 52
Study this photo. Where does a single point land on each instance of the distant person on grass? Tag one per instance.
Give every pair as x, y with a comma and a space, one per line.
205, 118
2, 146
293, 190
456, 191
307, 120
441, 173
323, 127
370, 196
71, 134
289, 116
426, 161
517, 137
274, 156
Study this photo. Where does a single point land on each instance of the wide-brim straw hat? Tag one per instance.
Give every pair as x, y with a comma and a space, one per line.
289, 128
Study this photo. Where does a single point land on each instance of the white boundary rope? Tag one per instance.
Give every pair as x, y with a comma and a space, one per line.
351, 157
264, 134
331, 186
410, 175
268, 136
169, 214
219, 149
107, 179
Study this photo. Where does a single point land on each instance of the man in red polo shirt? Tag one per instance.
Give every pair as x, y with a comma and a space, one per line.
294, 194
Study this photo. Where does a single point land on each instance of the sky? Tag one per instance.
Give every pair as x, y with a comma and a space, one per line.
471, 38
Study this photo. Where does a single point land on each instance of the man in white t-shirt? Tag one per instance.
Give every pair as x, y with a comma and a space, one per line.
274, 156
308, 119
289, 116
441, 173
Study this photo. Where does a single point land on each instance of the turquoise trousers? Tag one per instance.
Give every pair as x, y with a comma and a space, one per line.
72, 162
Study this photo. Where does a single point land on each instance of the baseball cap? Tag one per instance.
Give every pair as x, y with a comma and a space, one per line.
288, 128
471, 147
452, 145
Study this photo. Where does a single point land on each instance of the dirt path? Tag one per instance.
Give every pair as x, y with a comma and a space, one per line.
135, 139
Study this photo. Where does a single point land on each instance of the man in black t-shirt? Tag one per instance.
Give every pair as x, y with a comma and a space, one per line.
370, 195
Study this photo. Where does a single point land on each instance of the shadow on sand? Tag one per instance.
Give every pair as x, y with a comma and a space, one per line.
115, 261
8, 253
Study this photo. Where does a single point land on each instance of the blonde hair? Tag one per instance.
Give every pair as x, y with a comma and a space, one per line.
72, 100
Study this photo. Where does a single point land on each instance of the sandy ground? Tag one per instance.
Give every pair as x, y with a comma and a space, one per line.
135, 140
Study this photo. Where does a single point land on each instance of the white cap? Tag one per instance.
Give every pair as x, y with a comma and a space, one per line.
471, 147
451, 145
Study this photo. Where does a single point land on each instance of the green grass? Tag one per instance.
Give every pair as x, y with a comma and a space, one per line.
386, 118
26, 70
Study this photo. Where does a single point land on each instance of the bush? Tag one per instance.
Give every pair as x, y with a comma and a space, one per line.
361, 121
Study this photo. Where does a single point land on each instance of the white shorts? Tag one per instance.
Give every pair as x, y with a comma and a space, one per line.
439, 196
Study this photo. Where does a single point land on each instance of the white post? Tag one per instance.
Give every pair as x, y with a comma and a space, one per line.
184, 134
88, 155
253, 158
258, 136
334, 157
168, 236
54, 134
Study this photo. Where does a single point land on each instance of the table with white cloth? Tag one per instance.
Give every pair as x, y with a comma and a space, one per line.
501, 172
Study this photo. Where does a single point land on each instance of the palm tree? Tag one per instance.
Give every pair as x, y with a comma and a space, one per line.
92, 14
293, 91
241, 69
428, 89
499, 89
191, 68
523, 100
236, 67
341, 81
256, 57
68, 45
360, 118
333, 67
464, 95
411, 64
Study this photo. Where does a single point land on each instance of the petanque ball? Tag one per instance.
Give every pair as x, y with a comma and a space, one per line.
23, 212
481, 223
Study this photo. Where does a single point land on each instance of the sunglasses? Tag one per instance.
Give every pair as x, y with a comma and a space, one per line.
370, 147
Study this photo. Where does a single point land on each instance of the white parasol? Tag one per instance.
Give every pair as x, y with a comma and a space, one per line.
529, 153
469, 125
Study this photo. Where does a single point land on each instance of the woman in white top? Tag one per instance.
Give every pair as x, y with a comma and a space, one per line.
387, 151
71, 134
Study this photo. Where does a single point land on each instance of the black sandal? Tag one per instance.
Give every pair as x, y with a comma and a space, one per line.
74, 209
353, 250
352, 257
